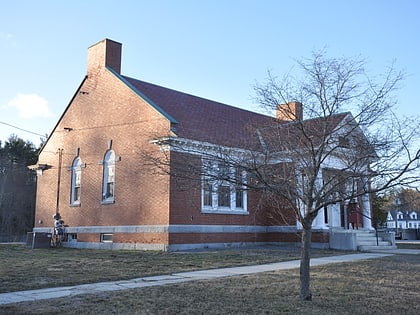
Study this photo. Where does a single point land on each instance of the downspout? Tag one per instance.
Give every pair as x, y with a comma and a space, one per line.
60, 158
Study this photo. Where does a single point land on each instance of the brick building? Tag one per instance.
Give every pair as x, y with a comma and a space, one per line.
95, 169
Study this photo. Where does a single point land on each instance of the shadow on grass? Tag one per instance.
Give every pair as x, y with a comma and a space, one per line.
376, 286
27, 269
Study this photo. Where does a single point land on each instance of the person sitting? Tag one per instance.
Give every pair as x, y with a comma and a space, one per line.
58, 224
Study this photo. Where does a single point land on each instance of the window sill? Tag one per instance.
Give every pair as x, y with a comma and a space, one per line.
108, 201
75, 204
225, 211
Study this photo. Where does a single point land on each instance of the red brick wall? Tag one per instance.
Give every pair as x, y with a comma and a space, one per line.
201, 238
105, 109
143, 238
185, 202
195, 238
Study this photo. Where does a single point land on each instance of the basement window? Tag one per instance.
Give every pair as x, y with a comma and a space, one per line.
72, 237
106, 238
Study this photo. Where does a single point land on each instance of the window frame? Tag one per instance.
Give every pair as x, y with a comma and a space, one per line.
76, 182
108, 173
220, 187
106, 237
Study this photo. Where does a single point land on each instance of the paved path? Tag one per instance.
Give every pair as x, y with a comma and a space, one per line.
50, 293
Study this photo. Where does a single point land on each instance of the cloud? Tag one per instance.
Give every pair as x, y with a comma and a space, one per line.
5, 36
7, 39
30, 105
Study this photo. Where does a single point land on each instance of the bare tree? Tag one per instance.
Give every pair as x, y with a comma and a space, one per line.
369, 150
343, 144
408, 199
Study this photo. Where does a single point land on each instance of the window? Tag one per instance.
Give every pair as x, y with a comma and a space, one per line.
400, 216
108, 183
72, 237
239, 188
76, 179
414, 216
207, 193
106, 238
223, 193
223, 188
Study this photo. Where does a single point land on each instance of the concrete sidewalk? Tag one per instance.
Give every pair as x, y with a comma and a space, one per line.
51, 293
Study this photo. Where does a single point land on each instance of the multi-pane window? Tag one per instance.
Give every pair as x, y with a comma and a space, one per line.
223, 188
76, 180
223, 194
108, 185
239, 188
207, 193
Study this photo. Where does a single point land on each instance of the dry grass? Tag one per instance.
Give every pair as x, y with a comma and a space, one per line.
389, 285
25, 269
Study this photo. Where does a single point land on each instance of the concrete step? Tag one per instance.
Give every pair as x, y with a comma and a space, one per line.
372, 242
368, 248
366, 237
367, 241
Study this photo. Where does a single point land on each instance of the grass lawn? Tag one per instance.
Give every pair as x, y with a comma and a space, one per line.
26, 269
390, 285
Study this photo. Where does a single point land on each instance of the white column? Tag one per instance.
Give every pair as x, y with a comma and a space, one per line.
367, 222
319, 221
335, 217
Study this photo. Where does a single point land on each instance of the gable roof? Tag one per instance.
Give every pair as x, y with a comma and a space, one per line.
203, 119
406, 215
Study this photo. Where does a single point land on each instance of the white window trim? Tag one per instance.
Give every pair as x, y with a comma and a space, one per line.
76, 170
108, 166
215, 208
107, 238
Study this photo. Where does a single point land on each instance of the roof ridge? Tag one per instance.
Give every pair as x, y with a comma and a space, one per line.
142, 95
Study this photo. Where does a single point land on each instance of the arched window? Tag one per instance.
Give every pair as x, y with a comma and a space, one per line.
108, 182
76, 180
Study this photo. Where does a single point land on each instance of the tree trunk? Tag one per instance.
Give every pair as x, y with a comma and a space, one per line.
305, 291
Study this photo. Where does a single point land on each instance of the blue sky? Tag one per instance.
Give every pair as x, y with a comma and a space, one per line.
216, 49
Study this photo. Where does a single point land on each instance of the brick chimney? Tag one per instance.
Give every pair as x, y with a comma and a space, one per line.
291, 111
106, 53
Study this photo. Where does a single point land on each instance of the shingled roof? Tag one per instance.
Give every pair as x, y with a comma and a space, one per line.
203, 119
299, 134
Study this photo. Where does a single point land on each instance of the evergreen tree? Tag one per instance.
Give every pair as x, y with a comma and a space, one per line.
17, 187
